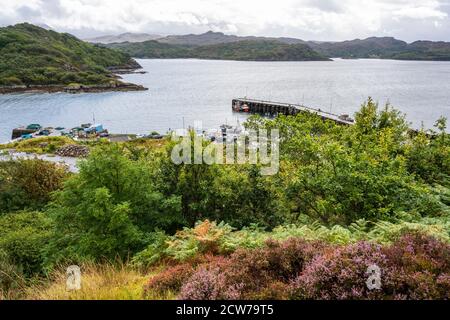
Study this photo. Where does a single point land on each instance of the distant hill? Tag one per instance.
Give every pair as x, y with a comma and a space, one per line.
181, 46
367, 48
211, 38
31, 55
124, 37
425, 50
153, 50
248, 50
384, 48
259, 50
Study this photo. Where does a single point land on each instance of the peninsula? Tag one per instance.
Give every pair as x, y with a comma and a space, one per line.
36, 59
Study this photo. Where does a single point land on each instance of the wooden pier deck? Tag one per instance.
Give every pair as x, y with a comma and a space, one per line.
270, 107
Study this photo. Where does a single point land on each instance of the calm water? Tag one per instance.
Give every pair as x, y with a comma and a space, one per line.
202, 90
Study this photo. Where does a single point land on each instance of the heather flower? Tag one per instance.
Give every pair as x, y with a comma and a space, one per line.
209, 284
340, 274
170, 280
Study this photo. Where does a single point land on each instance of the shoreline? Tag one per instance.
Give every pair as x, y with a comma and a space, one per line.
72, 89
11, 154
81, 88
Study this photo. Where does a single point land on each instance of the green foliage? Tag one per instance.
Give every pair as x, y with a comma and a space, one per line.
35, 56
155, 251
373, 181
212, 238
342, 174
22, 237
11, 278
238, 194
430, 158
28, 184
109, 209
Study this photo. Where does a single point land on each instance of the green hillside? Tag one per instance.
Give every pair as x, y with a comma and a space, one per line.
153, 50
426, 50
259, 51
31, 55
247, 50
384, 48
367, 48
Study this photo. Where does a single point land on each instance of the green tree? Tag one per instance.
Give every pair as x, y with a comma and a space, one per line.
22, 237
110, 208
429, 154
29, 183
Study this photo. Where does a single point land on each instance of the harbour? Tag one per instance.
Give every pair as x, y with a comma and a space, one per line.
206, 88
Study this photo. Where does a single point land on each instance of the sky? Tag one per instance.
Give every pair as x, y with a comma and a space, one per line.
322, 20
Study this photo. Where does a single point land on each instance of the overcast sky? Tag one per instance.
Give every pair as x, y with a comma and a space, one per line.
306, 19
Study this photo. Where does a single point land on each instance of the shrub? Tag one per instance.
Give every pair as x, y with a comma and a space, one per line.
420, 268
10, 81
110, 209
154, 253
251, 274
210, 237
414, 267
168, 281
29, 183
340, 274
209, 284
40, 145
205, 238
22, 236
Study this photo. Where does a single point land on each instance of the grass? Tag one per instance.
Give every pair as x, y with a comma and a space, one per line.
39, 145
98, 282
153, 144
48, 145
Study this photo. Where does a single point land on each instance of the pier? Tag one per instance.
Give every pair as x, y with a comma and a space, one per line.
273, 108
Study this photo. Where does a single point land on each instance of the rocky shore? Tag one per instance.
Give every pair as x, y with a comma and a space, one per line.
132, 67
78, 88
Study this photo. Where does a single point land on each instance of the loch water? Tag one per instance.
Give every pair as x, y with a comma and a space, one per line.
184, 91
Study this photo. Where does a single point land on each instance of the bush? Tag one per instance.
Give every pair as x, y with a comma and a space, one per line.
205, 238
210, 237
154, 253
340, 274
420, 268
251, 274
168, 281
109, 209
28, 184
10, 81
209, 284
415, 267
22, 236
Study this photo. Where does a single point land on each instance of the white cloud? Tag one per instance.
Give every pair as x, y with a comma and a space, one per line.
308, 19
420, 13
